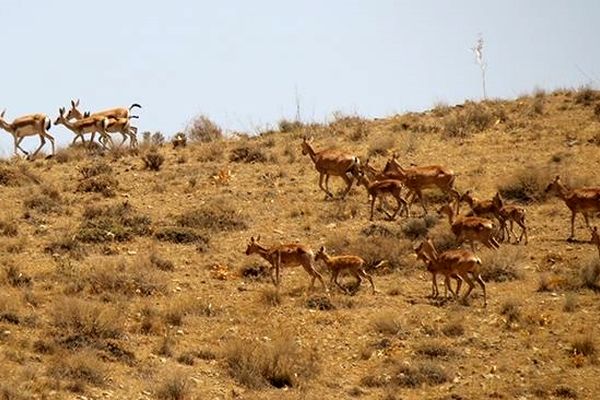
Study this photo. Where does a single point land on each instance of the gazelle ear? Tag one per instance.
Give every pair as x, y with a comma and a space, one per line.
322, 249
595, 229
77, 103
258, 238
2, 114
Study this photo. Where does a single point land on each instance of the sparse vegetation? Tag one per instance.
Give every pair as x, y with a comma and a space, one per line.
117, 222
527, 185
202, 129
153, 160
503, 265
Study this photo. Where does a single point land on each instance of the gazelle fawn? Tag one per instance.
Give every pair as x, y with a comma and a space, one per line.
471, 229
352, 264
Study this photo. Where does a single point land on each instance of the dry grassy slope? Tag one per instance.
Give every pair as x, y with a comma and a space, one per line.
279, 199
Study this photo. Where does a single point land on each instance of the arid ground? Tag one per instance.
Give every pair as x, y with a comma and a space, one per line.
123, 282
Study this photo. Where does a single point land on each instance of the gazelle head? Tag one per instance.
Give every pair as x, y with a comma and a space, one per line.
554, 185
595, 237
391, 165
253, 246
320, 254
74, 111
306, 146
498, 200
466, 196
61, 116
446, 209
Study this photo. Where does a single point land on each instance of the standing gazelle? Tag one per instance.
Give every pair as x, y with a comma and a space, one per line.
28, 125
286, 254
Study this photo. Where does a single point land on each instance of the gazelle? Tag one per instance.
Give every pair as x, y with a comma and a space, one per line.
28, 125
480, 208
331, 162
286, 254
119, 120
471, 229
460, 263
91, 124
380, 188
511, 213
583, 200
353, 264
418, 178
595, 238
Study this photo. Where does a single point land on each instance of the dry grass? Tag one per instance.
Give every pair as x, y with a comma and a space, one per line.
80, 369
202, 129
387, 323
527, 185
278, 363
502, 265
174, 386
116, 222
153, 160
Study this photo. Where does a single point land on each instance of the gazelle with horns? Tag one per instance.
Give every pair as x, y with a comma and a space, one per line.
91, 124
28, 125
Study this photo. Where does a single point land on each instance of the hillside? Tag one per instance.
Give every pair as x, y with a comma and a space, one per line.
122, 282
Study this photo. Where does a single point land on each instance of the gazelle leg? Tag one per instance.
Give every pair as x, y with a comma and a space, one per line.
572, 226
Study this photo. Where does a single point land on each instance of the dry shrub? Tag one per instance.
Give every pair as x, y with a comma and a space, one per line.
387, 323
153, 160
503, 264
13, 175
156, 139
103, 184
81, 368
585, 95
427, 373
180, 235
381, 146
66, 244
472, 118
127, 280
150, 321
352, 126
15, 277
286, 126
202, 129
213, 151
9, 227
47, 201
95, 169
537, 106
271, 297
375, 249
215, 216
80, 322
435, 350
279, 363
454, 328
157, 261
527, 185
565, 392
320, 302
173, 387
340, 211
187, 358
588, 274
511, 309
9, 311
584, 345
118, 222
255, 272
179, 140
248, 153
175, 312
571, 303
417, 228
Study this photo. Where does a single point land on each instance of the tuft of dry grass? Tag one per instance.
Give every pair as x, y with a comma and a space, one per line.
153, 160
503, 264
584, 345
117, 222
216, 216
279, 363
511, 309
454, 328
174, 386
381, 146
47, 200
527, 185
15, 277
180, 235
271, 296
202, 129
571, 303
427, 373
435, 350
320, 302
470, 119
81, 368
9, 227
248, 153
387, 323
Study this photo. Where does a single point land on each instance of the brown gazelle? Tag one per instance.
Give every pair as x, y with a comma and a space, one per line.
471, 229
595, 238
119, 121
286, 254
118, 112
418, 178
91, 124
461, 263
28, 125
583, 200
331, 162
380, 188
510, 213
480, 208
353, 264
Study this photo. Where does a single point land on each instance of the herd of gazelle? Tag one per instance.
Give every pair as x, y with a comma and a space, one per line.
478, 225
114, 120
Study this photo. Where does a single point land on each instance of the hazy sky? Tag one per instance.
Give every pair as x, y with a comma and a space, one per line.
242, 62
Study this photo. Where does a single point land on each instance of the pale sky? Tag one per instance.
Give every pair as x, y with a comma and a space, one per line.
242, 63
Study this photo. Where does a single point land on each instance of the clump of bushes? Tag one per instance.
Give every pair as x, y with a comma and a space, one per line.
202, 129
527, 185
470, 119
502, 265
97, 178
47, 201
216, 216
153, 160
248, 153
118, 222
181, 235
179, 140
280, 363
